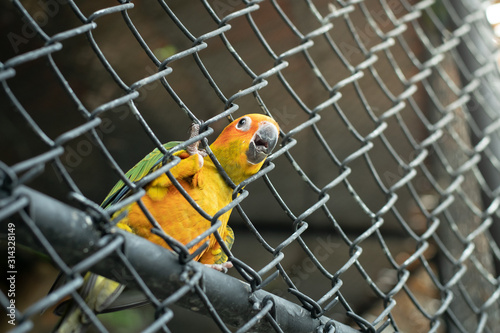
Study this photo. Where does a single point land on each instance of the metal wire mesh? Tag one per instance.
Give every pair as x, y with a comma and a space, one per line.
378, 211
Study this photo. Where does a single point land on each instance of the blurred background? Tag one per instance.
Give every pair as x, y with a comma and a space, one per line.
372, 132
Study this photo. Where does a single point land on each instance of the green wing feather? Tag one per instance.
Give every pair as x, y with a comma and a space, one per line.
141, 169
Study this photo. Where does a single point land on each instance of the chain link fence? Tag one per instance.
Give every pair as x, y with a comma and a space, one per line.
377, 211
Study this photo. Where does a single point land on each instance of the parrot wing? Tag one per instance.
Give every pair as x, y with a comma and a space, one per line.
215, 255
98, 292
108, 287
147, 165
229, 240
121, 298
132, 298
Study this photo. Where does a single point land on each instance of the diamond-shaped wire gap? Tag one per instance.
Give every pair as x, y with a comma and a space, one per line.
291, 76
303, 270
414, 49
363, 34
301, 196
234, 80
197, 25
371, 23
324, 62
54, 98
299, 18
303, 165
488, 160
416, 305
38, 268
418, 299
245, 47
481, 118
19, 117
159, 105
353, 105
291, 52
12, 123
405, 68
346, 47
314, 35
436, 25
179, 323
383, 17
50, 172
136, 65
286, 40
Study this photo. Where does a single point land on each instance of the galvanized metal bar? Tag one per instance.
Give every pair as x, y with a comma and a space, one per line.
74, 237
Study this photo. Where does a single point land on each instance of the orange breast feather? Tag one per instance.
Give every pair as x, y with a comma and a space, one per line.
174, 213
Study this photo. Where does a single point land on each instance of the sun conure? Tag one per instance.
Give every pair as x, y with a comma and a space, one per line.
241, 149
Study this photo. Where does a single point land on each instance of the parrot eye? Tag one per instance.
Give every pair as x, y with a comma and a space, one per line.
244, 124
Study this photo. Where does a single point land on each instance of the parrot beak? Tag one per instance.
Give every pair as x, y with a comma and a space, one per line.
262, 143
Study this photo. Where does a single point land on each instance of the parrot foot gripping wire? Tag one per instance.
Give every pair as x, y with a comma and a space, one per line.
193, 148
221, 267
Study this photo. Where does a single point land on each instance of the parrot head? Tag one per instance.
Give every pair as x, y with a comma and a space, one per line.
244, 145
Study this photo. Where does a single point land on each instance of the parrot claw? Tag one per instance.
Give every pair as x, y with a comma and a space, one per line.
193, 148
221, 267
200, 160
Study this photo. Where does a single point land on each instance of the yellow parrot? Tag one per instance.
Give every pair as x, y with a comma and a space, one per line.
241, 149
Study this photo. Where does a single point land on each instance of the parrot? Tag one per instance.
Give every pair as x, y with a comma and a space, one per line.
241, 149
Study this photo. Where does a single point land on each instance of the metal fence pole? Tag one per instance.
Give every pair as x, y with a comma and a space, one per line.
74, 238
464, 68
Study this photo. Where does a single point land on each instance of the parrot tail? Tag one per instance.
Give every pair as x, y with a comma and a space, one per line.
98, 292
